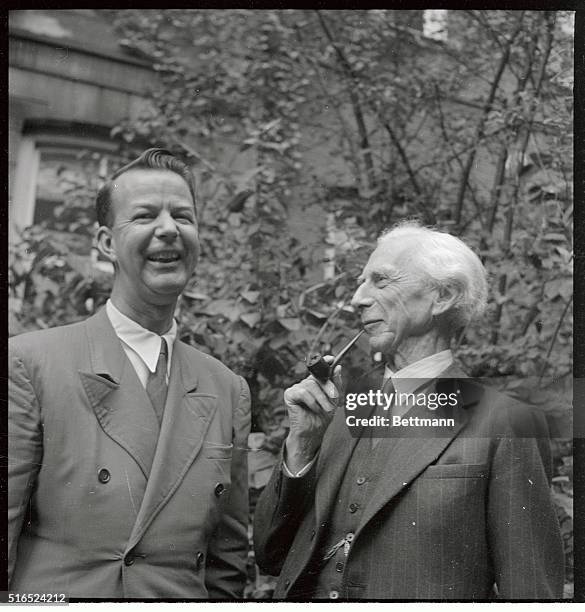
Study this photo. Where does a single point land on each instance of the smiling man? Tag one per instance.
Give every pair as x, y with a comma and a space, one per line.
127, 465
461, 511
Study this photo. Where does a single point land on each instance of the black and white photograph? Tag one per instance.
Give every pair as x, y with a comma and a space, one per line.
290, 305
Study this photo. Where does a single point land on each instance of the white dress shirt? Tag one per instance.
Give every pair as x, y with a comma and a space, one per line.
405, 380
142, 347
415, 375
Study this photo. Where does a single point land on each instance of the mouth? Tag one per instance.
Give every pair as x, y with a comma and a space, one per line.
164, 257
370, 323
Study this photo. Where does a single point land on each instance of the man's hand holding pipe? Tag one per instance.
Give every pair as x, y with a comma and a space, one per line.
310, 405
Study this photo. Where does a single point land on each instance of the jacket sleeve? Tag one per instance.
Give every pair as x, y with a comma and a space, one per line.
227, 554
25, 450
523, 529
281, 507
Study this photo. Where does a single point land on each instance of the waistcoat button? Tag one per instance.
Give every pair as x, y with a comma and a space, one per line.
219, 489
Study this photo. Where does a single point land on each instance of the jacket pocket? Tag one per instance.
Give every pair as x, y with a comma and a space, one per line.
217, 451
456, 470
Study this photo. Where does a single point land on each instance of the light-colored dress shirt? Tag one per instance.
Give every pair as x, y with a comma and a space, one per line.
405, 380
415, 375
142, 347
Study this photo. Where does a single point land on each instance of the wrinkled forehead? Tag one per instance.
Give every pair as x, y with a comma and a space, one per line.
393, 254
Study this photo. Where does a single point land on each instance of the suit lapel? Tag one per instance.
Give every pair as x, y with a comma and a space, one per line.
403, 459
119, 402
337, 449
186, 419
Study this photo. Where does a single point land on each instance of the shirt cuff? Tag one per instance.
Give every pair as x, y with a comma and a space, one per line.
301, 472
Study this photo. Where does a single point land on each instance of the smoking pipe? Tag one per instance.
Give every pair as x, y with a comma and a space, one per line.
322, 370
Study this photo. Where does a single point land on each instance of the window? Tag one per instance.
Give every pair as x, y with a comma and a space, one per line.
52, 170
435, 24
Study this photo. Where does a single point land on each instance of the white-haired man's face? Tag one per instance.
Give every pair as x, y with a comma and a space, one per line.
395, 300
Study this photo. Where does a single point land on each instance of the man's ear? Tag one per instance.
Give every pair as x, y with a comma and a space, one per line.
446, 298
105, 243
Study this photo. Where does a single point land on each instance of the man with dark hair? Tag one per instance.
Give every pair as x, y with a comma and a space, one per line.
127, 464
408, 498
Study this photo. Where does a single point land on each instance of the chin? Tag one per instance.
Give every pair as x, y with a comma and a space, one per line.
382, 344
165, 293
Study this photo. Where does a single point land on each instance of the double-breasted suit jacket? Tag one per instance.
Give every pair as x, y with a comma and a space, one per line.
100, 504
450, 516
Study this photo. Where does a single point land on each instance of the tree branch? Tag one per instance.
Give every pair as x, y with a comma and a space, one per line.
479, 132
555, 336
502, 285
358, 114
455, 155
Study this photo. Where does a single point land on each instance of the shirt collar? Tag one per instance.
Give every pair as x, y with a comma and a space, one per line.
408, 379
141, 340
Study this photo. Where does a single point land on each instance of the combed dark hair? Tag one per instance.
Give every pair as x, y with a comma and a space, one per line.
156, 159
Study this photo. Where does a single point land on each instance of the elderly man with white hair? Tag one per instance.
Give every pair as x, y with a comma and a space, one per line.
412, 499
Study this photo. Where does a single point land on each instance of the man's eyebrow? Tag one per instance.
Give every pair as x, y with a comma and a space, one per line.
384, 274
155, 206
181, 207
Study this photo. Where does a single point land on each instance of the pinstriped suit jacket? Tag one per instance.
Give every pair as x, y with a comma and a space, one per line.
456, 517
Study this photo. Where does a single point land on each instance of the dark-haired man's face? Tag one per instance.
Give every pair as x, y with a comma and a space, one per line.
153, 239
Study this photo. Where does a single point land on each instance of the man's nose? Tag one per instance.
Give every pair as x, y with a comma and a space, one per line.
361, 297
166, 225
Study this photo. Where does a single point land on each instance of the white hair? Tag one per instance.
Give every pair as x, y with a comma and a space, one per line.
448, 262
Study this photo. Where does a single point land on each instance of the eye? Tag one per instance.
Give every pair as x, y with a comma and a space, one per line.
380, 280
143, 216
185, 217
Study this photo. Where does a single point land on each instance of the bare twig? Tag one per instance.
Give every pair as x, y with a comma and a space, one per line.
479, 131
335, 105
353, 96
456, 155
550, 19
497, 188
554, 338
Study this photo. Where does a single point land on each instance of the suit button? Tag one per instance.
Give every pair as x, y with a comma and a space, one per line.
333, 594
339, 566
361, 480
353, 507
219, 489
199, 560
104, 476
129, 559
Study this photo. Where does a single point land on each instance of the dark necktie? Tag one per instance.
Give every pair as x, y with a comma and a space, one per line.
388, 389
156, 385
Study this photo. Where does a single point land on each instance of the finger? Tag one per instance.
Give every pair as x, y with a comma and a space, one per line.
328, 387
325, 393
300, 396
311, 394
